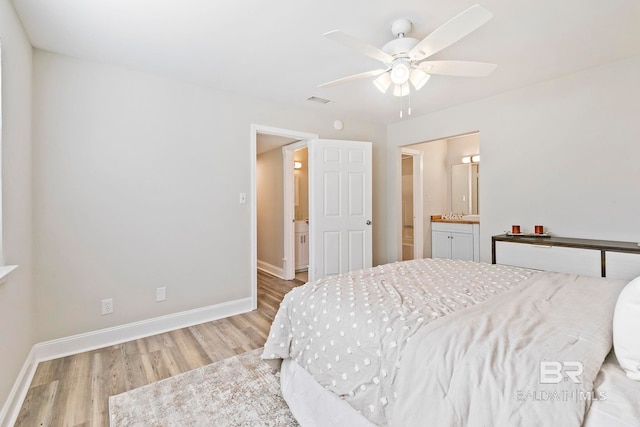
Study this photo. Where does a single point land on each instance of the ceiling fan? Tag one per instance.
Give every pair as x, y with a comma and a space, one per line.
404, 57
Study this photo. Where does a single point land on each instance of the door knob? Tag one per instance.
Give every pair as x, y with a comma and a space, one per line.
368, 222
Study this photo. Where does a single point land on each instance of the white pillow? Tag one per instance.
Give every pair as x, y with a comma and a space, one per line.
626, 322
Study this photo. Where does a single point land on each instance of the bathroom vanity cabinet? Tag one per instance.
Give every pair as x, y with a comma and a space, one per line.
454, 239
302, 246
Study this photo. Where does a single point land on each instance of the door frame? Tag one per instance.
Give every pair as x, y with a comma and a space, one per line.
289, 262
418, 205
267, 130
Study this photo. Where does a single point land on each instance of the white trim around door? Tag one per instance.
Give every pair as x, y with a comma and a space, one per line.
267, 130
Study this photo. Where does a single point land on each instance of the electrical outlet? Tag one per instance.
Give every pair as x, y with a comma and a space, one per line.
161, 294
107, 306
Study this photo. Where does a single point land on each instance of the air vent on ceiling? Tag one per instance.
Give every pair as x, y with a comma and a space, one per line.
318, 100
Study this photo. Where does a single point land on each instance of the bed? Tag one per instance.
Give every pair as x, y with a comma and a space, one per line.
442, 342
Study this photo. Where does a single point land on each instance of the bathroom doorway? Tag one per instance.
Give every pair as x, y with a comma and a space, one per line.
275, 138
412, 205
301, 212
443, 194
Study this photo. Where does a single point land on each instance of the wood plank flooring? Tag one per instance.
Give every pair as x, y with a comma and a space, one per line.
74, 390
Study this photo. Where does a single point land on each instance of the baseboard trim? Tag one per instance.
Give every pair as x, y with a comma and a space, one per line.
11, 408
271, 269
118, 334
109, 336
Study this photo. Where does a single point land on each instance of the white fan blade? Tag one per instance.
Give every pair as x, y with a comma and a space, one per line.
362, 47
353, 77
450, 32
457, 68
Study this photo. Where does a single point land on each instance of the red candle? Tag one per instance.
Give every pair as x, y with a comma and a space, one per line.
515, 229
539, 229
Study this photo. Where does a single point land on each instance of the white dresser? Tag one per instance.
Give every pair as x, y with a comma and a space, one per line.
605, 258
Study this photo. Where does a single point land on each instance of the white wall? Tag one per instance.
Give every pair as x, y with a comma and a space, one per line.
562, 153
136, 183
270, 216
16, 294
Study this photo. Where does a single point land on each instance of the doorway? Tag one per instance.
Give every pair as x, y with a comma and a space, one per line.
283, 261
340, 206
442, 192
301, 213
411, 205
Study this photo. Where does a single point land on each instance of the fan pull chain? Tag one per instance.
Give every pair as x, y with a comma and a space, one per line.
402, 105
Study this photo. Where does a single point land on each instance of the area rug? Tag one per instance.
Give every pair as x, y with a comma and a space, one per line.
239, 391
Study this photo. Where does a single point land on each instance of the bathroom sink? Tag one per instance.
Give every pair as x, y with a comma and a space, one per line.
471, 217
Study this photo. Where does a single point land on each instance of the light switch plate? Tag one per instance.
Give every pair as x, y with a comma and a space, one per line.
161, 294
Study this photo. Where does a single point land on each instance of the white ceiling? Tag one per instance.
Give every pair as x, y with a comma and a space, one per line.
275, 50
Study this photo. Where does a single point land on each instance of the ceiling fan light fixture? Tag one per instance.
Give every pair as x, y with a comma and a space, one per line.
401, 90
418, 78
403, 57
382, 82
400, 72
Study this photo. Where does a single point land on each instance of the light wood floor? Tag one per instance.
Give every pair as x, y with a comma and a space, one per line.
74, 390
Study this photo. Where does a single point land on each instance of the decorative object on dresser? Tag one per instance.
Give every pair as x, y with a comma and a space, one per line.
516, 230
588, 257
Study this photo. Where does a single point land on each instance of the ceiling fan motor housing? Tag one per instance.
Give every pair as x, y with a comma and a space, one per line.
400, 47
401, 27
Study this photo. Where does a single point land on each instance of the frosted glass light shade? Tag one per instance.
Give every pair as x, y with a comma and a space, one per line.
401, 90
418, 78
382, 82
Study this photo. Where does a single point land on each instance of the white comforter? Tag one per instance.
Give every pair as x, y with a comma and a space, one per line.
482, 366
409, 342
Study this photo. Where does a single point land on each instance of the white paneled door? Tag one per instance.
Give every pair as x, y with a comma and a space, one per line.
339, 206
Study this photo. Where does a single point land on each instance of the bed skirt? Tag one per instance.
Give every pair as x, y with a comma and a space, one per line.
311, 404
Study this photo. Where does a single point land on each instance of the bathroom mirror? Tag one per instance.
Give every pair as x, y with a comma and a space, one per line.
464, 188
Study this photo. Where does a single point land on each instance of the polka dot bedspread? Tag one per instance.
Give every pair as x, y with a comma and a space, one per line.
349, 331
